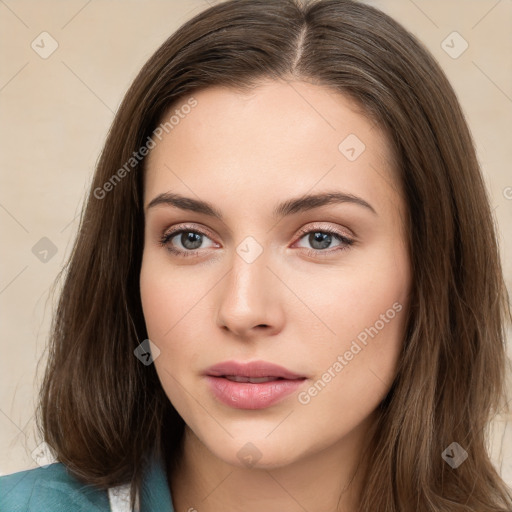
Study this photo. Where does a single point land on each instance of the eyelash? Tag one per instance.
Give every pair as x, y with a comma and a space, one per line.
168, 236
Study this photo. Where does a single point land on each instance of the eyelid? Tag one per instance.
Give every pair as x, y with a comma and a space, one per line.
319, 226
302, 231
187, 227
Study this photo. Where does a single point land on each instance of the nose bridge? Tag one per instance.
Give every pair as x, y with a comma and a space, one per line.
249, 277
248, 297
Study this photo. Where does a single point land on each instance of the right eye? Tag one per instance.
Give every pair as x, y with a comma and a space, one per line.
184, 241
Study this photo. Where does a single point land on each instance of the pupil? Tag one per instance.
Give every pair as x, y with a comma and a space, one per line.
320, 240
191, 238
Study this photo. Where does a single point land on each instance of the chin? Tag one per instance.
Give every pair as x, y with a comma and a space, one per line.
255, 452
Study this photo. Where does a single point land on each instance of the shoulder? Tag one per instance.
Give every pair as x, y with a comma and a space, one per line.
52, 488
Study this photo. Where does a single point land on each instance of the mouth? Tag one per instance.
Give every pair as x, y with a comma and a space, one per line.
254, 385
252, 380
254, 370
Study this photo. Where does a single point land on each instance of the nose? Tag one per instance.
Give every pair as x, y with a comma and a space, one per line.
250, 299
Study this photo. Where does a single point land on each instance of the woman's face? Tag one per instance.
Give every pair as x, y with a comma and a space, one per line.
247, 260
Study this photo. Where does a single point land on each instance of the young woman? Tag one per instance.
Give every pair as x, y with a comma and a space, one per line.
286, 291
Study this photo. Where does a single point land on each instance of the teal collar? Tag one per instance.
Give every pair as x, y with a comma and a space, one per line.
155, 495
53, 488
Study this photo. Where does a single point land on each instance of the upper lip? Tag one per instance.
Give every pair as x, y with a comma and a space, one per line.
251, 369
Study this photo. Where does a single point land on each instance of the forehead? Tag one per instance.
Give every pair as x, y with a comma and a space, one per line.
277, 138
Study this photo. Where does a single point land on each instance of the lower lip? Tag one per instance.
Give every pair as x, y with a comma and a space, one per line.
245, 395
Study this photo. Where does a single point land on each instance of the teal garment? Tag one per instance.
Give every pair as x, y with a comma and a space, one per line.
54, 489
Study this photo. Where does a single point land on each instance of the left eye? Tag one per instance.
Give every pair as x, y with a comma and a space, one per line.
321, 239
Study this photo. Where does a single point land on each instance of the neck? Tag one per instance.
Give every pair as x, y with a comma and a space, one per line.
327, 480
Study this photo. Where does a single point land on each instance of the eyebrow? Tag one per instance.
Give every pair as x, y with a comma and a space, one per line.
288, 207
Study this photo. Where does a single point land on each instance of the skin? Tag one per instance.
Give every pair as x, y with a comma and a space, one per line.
245, 153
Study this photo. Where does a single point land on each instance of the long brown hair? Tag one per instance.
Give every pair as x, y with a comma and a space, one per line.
105, 414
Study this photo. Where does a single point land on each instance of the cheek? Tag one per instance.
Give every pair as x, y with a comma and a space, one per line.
353, 373
347, 300
174, 309
365, 307
169, 297
164, 304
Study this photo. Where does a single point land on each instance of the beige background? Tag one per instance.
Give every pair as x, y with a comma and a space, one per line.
55, 113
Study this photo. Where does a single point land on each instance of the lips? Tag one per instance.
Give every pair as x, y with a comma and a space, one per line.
252, 370
254, 385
